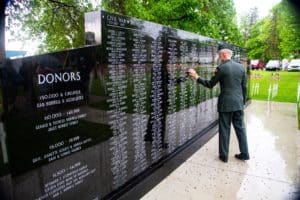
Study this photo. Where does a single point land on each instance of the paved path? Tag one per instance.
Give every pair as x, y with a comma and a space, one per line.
271, 173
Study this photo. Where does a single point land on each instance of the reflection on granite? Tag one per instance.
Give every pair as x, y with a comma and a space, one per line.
85, 123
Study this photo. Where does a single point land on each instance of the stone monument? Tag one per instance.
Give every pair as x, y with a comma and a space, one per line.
84, 123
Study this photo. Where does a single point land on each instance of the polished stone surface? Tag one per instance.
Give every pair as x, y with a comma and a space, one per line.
271, 173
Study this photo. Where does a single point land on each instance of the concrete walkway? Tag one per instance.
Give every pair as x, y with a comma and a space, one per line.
271, 173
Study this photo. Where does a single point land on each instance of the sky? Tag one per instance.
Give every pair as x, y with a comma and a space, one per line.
264, 6
242, 8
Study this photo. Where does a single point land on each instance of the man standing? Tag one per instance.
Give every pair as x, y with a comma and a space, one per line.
232, 79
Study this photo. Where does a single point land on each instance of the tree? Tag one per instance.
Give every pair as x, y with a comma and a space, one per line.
277, 35
3, 5
247, 22
256, 43
272, 51
58, 24
8, 8
2, 30
210, 18
289, 29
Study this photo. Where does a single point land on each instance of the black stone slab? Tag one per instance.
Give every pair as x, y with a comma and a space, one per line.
87, 123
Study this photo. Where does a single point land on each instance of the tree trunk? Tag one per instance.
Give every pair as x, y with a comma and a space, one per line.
2, 31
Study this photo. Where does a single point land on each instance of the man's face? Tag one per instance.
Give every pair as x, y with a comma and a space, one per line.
221, 56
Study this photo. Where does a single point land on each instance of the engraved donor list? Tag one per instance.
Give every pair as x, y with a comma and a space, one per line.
48, 112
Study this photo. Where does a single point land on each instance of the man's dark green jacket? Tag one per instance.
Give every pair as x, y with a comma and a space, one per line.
233, 83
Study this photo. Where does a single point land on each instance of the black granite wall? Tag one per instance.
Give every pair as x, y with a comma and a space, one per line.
83, 123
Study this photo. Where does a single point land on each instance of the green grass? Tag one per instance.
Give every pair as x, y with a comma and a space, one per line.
298, 109
287, 86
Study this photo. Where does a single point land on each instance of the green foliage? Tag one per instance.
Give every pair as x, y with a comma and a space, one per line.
251, 17
277, 35
272, 51
57, 24
256, 44
289, 26
214, 19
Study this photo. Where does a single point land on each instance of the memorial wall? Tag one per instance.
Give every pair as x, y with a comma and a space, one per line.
84, 123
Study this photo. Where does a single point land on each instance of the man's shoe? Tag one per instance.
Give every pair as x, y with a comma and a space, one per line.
241, 156
222, 158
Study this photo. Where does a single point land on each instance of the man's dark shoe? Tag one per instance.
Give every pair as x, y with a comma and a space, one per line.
242, 156
222, 158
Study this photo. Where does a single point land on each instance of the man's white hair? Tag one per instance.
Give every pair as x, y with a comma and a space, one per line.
226, 51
